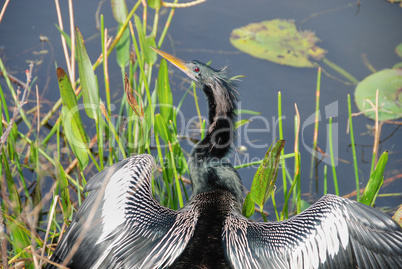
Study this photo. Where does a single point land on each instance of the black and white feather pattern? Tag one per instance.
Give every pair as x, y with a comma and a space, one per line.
333, 233
126, 226
120, 225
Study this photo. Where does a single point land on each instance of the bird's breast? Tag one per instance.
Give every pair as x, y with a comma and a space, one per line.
205, 249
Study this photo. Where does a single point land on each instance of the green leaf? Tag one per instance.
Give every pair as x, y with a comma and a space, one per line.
66, 36
90, 93
168, 169
150, 55
69, 101
246, 111
150, 42
62, 185
67, 93
19, 238
248, 206
265, 177
375, 182
397, 65
240, 123
398, 216
389, 84
123, 48
278, 41
119, 9
164, 93
77, 143
180, 159
162, 129
155, 4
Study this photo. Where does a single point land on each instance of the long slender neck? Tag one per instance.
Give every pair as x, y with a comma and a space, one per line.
222, 102
209, 166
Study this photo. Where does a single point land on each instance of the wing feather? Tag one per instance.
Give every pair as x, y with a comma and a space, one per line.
127, 227
333, 233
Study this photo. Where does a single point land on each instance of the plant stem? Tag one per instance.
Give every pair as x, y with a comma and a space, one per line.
332, 158
352, 142
341, 71
317, 118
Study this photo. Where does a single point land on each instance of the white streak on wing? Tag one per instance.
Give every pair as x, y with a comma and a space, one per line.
343, 228
306, 251
322, 247
105, 253
330, 237
115, 196
314, 253
296, 261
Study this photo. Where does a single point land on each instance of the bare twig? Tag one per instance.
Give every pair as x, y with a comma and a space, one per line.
49, 261
63, 40
17, 108
97, 14
4, 9
14, 79
72, 35
48, 229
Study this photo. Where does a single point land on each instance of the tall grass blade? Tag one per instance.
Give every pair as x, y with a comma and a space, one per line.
331, 150
352, 143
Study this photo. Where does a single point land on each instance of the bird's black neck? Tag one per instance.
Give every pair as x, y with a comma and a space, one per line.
222, 103
209, 166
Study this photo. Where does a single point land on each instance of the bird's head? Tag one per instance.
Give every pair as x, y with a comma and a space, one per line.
221, 94
197, 71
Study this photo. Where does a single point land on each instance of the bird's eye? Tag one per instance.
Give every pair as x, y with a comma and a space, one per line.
196, 69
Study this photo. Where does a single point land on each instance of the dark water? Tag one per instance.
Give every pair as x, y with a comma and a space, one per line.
202, 33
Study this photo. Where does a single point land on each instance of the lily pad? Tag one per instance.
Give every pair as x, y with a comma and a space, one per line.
278, 41
389, 84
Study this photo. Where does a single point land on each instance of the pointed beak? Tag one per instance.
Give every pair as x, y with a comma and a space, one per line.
182, 65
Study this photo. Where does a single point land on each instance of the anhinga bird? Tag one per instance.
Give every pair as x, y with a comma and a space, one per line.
121, 225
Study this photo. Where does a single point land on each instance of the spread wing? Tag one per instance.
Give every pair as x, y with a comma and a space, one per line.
333, 233
121, 225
